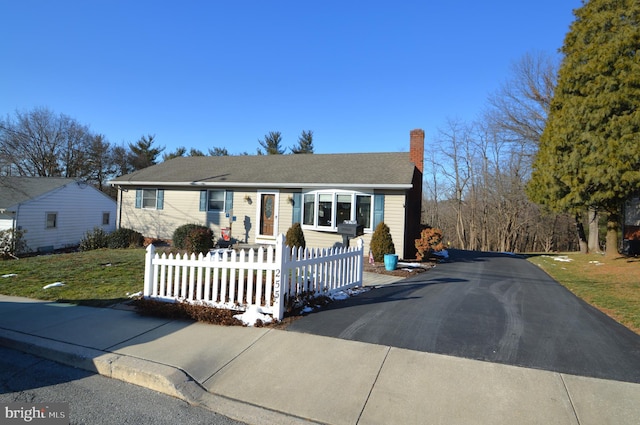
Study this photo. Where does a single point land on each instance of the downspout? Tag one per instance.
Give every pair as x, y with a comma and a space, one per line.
119, 201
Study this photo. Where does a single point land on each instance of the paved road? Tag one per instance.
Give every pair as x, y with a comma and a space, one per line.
486, 306
93, 399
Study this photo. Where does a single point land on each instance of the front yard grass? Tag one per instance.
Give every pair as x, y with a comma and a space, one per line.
95, 278
610, 285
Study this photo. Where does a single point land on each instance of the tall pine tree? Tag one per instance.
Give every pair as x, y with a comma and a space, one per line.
589, 155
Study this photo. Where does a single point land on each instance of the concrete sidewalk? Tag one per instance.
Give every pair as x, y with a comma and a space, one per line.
268, 376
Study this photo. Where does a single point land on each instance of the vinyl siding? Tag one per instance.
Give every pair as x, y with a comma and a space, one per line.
79, 210
182, 206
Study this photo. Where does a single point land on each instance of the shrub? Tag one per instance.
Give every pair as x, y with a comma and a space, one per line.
295, 237
430, 240
199, 239
94, 239
179, 239
381, 242
125, 238
12, 242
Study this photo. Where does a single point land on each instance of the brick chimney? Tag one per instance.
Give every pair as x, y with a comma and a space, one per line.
416, 148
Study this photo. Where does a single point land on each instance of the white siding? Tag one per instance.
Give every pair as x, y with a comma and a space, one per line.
79, 209
5, 223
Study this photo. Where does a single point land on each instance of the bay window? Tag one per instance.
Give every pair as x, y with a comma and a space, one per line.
324, 209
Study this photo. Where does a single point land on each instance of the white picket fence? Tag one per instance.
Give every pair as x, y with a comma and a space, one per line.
266, 277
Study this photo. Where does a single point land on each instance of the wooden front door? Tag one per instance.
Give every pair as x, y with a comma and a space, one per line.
268, 208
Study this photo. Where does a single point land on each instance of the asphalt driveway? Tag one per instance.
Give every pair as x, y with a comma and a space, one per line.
486, 306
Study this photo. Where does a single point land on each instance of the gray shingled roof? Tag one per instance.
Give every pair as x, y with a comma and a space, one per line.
302, 170
14, 190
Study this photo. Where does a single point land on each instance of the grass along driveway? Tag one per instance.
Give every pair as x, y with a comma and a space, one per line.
611, 286
97, 278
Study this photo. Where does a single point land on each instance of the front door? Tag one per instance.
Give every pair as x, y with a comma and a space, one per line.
268, 213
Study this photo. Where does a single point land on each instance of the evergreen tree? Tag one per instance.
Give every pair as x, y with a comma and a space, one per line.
305, 143
143, 154
272, 144
589, 154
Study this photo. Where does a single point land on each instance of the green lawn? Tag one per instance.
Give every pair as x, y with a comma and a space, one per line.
610, 285
98, 278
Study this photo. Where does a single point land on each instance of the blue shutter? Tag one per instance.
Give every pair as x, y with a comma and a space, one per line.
378, 210
203, 200
228, 201
138, 198
160, 199
297, 208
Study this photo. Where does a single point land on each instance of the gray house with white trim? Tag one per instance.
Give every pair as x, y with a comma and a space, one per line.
254, 198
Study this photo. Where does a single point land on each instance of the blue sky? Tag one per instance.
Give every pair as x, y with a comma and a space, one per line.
201, 74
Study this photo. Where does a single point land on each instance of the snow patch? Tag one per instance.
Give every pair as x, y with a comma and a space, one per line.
9, 275
53, 285
252, 315
561, 258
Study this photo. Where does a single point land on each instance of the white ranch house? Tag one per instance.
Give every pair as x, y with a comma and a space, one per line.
252, 199
54, 212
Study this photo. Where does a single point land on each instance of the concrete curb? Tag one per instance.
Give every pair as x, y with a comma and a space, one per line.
144, 373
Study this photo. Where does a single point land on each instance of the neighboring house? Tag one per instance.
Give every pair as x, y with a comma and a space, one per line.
254, 198
631, 226
54, 212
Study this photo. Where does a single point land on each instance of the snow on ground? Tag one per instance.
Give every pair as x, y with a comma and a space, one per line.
53, 285
9, 275
252, 315
561, 258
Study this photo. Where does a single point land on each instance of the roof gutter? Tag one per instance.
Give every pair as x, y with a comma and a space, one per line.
264, 185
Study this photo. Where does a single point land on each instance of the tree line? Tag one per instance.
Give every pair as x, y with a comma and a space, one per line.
557, 150
42, 143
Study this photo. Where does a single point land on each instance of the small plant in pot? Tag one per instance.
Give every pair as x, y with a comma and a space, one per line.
382, 247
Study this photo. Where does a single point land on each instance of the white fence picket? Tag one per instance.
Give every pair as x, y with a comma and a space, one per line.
265, 277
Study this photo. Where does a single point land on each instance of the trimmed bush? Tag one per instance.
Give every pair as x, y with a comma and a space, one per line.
430, 241
199, 240
381, 242
295, 237
179, 239
125, 238
94, 239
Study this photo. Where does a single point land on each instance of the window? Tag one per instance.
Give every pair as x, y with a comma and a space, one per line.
150, 198
105, 218
309, 209
363, 210
325, 207
52, 220
323, 210
215, 200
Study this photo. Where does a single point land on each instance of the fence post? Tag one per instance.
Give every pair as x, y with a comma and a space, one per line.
280, 281
360, 261
148, 270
